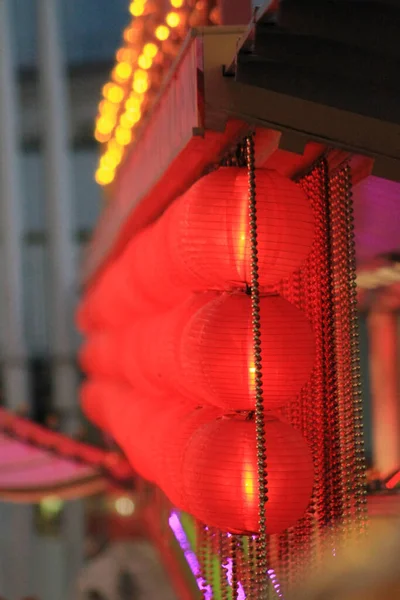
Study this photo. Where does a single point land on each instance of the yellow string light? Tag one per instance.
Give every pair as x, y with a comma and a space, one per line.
145, 62
114, 128
150, 50
134, 103
162, 33
105, 125
136, 8
104, 176
123, 135
129, 119
173, 19
114, 93
123, 71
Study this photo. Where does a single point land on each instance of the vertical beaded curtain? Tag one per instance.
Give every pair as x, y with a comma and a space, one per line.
328, 412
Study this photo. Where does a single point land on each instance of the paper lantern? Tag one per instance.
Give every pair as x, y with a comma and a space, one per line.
112, 301
99, 355
220, 475
177, 435
98, 395
204, 351
117, 410
202, 242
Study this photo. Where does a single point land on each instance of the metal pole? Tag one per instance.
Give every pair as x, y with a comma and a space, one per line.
53, 87
16, 538
383, 348
58, 194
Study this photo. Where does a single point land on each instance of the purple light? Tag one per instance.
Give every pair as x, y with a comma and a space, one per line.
190, 556
275, 583
228, 566
194, 564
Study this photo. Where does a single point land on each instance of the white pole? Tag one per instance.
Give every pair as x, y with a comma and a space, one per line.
54, 93
14, 350
53, 87
16, 545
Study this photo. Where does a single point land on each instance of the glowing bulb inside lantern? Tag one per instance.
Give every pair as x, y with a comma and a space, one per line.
248, 482
252, 376
177, 3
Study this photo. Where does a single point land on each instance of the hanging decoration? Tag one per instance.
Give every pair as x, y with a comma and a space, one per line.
238, 301
202, 243
205, 351
220, 478
151, 42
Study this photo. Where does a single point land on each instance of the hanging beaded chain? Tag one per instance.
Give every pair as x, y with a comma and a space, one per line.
259, 396
328, 410
360, 482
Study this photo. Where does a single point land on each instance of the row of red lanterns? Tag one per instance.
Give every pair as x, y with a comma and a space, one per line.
206, 461
202, 243
170, 353
203, 351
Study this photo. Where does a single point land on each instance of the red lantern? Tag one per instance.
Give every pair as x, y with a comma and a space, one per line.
204, 351
99, 355
98, 395
177, 435
220, 475
113, 300
202, 242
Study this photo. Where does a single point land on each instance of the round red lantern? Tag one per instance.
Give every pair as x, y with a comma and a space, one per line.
177, 434
117, 410
220, 475
202, 242
204, 351
101, 397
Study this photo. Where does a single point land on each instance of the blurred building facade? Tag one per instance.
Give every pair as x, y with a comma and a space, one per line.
54, 57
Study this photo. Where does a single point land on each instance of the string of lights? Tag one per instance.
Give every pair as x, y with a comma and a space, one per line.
150, 43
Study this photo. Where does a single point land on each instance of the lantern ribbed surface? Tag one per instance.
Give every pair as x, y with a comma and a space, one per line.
204, 350
202, 242
220, 475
